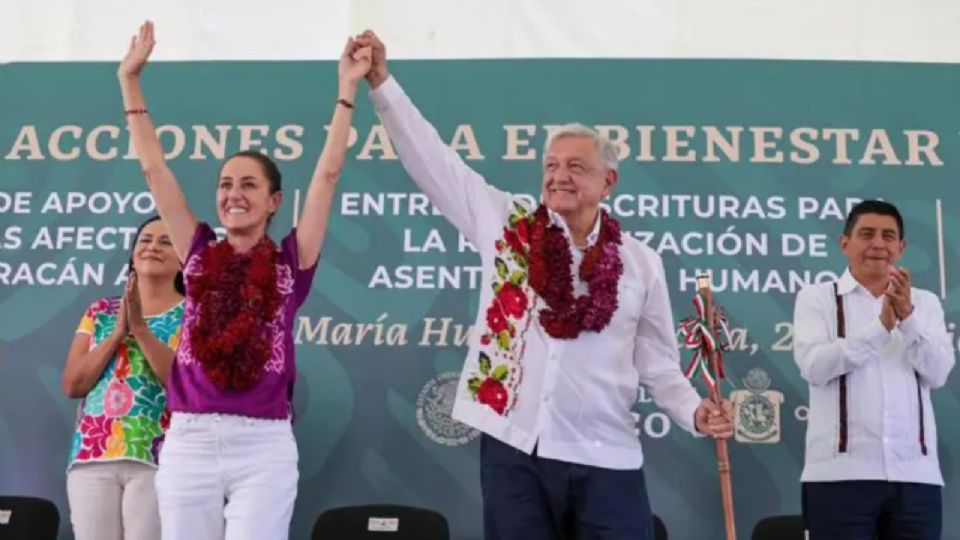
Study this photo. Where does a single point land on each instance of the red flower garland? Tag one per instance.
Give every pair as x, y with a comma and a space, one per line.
566, 316
237, 296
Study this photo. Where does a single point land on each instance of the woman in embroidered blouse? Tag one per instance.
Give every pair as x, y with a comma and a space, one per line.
118, 363
228, 468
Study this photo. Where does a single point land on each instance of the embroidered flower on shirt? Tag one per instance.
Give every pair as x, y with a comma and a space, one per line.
155, 448
512, 300
277, 359
118, 400
94, 430
117, 441
490, 390
496, 321
493, 393
185, 350
284, 279
123, 362
149, 401
141, 434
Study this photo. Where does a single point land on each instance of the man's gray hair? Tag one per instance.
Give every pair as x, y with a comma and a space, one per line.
605, 149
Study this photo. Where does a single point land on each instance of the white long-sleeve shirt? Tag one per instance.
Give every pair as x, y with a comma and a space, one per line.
888, 375
574, 397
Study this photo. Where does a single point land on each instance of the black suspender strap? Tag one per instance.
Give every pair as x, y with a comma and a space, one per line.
843, 435
841, 333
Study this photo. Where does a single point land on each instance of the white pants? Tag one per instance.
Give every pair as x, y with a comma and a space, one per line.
113, 501
227, 477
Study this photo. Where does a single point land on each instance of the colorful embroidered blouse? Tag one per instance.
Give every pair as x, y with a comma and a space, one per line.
124, 415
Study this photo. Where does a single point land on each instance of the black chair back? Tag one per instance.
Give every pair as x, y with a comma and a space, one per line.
28, 518
380, 522
779, 528
659, 529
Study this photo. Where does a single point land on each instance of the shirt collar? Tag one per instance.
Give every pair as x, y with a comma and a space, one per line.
847, 283
557, 219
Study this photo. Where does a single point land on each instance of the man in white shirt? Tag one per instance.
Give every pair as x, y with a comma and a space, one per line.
573, 317
871, 347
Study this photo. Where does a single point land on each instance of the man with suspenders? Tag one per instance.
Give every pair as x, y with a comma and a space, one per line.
871, 348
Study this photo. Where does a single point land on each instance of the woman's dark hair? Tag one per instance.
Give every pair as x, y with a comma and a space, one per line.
178, 280
269, 168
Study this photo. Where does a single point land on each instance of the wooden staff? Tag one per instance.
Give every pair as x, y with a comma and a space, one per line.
723, 458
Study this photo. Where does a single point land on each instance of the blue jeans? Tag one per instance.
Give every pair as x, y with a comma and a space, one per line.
868, 509
526, 497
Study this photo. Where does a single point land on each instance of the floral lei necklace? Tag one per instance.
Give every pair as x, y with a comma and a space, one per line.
237, 297
565, 315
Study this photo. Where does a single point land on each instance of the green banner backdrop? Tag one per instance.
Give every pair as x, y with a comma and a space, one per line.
741, 168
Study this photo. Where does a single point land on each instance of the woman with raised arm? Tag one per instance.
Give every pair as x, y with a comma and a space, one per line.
228, 468
118, 363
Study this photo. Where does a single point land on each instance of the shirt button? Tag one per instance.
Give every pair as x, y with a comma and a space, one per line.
546, 399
